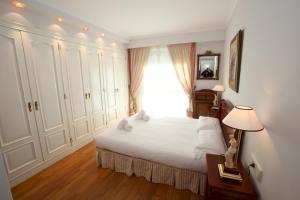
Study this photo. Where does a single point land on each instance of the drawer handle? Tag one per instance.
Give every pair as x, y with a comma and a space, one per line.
29, 106
36, 105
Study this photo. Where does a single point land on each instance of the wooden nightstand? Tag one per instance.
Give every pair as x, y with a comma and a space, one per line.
214, 112
218, 188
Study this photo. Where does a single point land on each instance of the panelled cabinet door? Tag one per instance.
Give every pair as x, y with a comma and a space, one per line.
18, 132
94, 62
122, 74
125, 85
76, 82
47, 88
111, 88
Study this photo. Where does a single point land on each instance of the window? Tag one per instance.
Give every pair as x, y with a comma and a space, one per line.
162, 93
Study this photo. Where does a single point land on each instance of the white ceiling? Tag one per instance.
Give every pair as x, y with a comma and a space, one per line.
136, 19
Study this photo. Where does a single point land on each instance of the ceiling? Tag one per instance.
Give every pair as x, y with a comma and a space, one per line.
137, 19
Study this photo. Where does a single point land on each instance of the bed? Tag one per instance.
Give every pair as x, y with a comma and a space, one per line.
165, 150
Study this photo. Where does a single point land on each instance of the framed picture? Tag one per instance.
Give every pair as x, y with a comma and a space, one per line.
208, 66
235, 60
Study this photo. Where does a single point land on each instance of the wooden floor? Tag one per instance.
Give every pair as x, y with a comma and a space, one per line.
77, 177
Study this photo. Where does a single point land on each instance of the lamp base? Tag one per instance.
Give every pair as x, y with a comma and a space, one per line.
233, 170
216, 101
227, 175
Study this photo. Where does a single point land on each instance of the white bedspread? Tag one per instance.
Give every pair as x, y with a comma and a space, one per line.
167, 140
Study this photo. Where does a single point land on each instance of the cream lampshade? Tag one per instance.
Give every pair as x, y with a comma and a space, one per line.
242, 118
218, 88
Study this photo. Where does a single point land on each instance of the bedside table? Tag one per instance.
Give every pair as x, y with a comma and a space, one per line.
214, 111
218, 188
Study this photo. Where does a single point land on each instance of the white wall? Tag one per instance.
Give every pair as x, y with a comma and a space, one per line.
270, 83
5, 193
215, 47
205, 36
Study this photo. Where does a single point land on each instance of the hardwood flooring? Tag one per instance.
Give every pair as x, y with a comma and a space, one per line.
77, 177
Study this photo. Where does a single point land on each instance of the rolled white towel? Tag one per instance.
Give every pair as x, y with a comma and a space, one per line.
146, 118
127, 127
140, 115
122, 123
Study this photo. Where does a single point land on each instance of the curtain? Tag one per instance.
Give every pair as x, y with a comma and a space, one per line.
137, 59
162, 94
183, 58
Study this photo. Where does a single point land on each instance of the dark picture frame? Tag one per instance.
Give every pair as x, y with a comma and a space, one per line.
208, 65
235, 60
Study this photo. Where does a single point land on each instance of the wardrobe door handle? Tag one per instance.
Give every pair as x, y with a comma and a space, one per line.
36, 105
29, 106
86, 96
89, 95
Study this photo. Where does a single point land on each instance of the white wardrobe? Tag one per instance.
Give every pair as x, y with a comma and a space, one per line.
54, 95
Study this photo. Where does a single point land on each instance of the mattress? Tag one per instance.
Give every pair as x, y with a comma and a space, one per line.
168, 140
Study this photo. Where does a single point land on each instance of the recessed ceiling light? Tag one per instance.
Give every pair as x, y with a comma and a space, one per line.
59, 20
85, 29
18, 4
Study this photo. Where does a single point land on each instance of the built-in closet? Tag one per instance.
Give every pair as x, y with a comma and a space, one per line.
54, 96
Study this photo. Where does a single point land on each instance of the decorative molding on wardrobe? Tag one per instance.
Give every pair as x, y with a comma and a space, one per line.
30, 29
34, 170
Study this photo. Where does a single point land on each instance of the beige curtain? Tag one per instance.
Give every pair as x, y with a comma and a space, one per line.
137, 60
183, 58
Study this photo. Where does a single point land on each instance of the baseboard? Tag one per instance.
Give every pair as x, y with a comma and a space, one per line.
33, 171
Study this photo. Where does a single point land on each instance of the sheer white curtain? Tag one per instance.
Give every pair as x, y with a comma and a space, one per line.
162, 92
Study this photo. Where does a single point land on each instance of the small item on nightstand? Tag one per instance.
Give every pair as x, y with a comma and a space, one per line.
215, 108
231, 170
224, 174
214, 111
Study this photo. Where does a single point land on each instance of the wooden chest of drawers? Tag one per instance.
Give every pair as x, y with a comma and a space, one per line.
202, 102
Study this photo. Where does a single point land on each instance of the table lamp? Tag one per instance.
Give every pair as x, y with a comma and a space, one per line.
241, 118
218, 89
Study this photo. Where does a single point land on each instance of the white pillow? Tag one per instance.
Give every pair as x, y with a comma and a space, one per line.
209, 141
208, 123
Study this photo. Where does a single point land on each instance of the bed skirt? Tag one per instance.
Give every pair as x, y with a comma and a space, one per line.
152, 171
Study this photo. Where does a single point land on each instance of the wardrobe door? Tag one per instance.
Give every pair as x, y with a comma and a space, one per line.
94, 62
79, 94
18, 132
125, 84
47, 89
122, 74
111, 88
